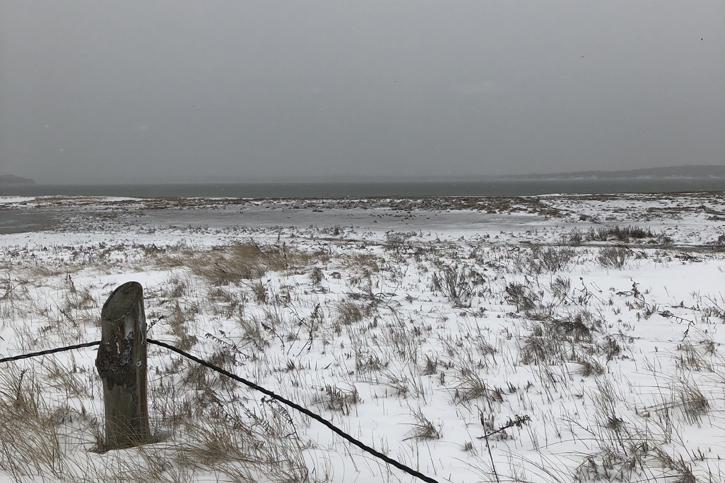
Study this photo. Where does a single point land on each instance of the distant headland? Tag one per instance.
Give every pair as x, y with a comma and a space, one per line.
12, 179
703, 171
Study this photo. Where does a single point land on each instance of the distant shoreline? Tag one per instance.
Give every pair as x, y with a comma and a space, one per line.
612, 178
11, 179
672, 172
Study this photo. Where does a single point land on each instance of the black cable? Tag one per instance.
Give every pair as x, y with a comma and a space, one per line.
254, 386
299, 408
49, 351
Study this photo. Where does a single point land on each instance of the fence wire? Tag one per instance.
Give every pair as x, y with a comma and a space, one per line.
49, 351
256, 387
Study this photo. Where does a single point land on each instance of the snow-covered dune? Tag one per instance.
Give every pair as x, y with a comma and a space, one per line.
417, 325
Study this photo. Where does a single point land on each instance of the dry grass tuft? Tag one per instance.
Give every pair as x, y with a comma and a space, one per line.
471, 386
338, 399
614, 257
350, 312
424, 429
30, 437
245, 261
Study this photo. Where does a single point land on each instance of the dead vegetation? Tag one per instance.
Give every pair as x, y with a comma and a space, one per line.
245, 261
399, 329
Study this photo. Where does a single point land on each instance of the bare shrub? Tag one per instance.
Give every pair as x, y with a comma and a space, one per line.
576, 328
614, 257
621, 234
431, 366
368, 363
609, 347
521, 296
573, 238
557, 339
455, 283
553, 259
396, 240
540, 347
560, 288
316, 275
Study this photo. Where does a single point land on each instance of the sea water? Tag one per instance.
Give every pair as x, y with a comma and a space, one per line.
498, 187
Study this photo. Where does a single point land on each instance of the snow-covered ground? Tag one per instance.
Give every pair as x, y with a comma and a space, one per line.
416, 325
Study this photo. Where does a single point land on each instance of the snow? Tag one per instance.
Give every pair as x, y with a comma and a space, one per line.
417, 325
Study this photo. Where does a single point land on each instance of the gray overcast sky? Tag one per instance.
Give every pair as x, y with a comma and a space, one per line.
234, 90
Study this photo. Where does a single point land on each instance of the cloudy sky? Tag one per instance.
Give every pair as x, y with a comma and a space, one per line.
257, 90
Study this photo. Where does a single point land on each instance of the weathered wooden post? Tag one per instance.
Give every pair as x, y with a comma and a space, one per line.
121, 363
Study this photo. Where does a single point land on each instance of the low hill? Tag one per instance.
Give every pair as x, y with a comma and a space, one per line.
12, 179
708, 171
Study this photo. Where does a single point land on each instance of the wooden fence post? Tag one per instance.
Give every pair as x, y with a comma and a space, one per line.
121, 363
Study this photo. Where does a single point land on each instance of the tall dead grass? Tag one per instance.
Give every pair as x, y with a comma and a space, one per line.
245, 261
